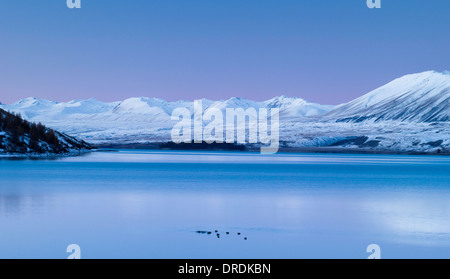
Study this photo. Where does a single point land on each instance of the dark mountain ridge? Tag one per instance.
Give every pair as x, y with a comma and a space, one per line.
19, 136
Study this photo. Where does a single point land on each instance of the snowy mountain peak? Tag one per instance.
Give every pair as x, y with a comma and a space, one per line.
421, 97
27, 101
236, 102
88, 101
31, 101
133, 105
284, 101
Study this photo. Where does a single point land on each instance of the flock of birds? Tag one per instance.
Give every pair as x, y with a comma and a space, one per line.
217, 233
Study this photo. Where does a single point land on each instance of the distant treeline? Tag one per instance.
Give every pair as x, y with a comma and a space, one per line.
203, 146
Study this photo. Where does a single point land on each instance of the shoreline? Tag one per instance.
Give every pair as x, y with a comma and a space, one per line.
323, 150
343, 150
156, 146
32, 156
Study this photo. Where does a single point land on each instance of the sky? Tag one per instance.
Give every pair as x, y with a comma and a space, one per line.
325, 51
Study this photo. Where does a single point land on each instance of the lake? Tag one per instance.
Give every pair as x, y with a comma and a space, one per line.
151, 204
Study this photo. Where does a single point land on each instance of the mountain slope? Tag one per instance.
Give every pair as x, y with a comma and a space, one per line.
409, 114
422, 97
18, 136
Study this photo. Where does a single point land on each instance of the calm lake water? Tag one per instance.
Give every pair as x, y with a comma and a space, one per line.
149, 204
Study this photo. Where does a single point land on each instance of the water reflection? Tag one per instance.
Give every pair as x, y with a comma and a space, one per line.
12, 205
421, 220
148, 204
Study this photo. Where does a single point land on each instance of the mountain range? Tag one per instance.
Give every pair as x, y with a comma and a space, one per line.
409, 114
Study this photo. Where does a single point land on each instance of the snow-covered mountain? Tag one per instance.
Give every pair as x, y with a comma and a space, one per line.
139, 119
423, 97
411, 113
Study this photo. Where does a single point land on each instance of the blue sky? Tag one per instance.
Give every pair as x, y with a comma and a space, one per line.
325, 51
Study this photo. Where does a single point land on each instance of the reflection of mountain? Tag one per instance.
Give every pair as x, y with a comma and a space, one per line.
15, 205
411, 113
